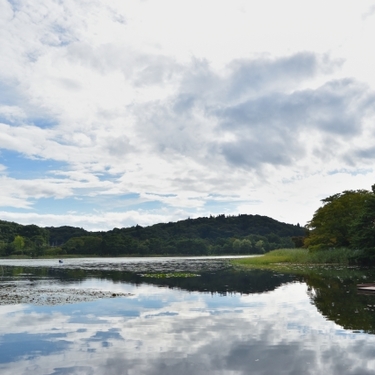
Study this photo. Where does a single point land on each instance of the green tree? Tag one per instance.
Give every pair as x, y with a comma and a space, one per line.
74, 245
236, 246
39, 241
246, 246
331, 225
259, 246
363, 228
18, 243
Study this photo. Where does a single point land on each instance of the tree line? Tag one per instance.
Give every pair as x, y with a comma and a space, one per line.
242, 234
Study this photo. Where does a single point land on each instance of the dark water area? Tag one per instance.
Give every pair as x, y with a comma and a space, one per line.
182, 316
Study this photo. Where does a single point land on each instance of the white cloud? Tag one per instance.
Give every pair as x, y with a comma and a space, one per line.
95, 221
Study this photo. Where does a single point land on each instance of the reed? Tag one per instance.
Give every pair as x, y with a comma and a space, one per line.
341, 256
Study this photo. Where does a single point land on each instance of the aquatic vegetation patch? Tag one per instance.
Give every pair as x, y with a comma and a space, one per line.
19, 293
169, 275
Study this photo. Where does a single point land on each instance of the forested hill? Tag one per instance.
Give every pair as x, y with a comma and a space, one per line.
243, 234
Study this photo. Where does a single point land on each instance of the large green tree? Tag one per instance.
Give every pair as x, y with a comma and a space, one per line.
363, 228
331, 225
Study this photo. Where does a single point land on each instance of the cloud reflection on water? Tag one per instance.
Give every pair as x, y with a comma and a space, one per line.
164, 331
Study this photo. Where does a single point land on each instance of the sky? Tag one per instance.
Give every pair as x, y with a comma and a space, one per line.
118, 113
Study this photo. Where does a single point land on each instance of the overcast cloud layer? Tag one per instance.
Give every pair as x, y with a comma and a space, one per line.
123, 113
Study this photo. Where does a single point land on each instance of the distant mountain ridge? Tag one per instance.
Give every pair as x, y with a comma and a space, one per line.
220, 234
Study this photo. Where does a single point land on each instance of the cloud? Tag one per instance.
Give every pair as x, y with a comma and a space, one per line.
336, 107
255, 115
269, 129
94, 220
12, 113
118, 146
370, 12
262, 75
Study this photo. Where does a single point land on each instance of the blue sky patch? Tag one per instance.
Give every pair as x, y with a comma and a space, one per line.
20, 167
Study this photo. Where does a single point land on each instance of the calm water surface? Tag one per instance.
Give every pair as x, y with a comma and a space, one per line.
220, 322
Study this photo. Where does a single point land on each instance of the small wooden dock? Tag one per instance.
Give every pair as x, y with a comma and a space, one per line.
368, 288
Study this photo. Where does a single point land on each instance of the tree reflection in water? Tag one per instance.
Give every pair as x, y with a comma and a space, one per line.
334, 292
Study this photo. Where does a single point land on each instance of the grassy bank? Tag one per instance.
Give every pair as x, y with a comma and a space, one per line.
286, 257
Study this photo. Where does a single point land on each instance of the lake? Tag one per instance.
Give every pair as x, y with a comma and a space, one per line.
182, 316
